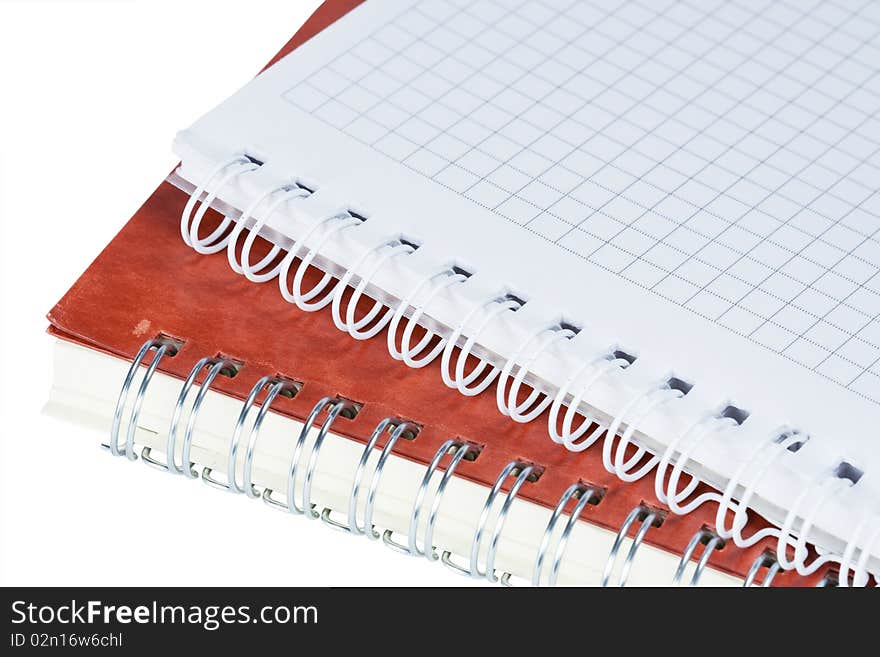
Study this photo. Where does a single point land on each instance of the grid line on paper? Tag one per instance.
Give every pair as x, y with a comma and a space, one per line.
723, 155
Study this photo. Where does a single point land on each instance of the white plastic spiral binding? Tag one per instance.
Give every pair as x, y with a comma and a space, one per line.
462, 382
252, 272
564, 428
436, 283
223, 174
684, 445
539, 341
633, 413
380, 255
818, 493
755, 467
326, 229
587, 375
860, 574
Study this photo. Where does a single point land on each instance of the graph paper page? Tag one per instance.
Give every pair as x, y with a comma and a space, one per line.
724, 156
696, 178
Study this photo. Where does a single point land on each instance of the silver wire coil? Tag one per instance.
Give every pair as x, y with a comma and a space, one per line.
369, 478
649, 518
764, 560
215, 367
162, 347
399, 429
584, 494
459, 449
711, 542
522, 472
335, 407
275, 386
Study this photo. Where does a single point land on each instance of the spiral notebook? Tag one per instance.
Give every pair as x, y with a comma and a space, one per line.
658, 217
443, 474
179, 374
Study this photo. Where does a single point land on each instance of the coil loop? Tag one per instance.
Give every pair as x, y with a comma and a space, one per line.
335, 407
459, 450
414, 356
226, 171
334, 224
584, 495
161, 347
764, 560
572, 437
690, 439
649, 518
215, 367
757, 465
640, 407
522, 472
860, 572
711, 542
545, 336
252, 272
382, 254
399, 429
459, 380
821, 489
276, 386
859, 578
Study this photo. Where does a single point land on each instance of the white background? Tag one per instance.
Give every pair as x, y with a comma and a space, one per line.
91, 95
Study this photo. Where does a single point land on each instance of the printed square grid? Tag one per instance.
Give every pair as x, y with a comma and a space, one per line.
723, 155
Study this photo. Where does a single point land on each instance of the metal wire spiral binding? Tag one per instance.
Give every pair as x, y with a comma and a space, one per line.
276, 386
162, 347
820, 491
459, 450
335, 407
522, 472
584, 494
399, 429
215, 367
711, 541
764, 560
649, 517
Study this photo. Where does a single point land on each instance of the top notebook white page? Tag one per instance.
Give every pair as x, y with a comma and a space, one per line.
695, 182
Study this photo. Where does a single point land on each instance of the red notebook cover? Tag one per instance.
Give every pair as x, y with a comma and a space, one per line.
147, 282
